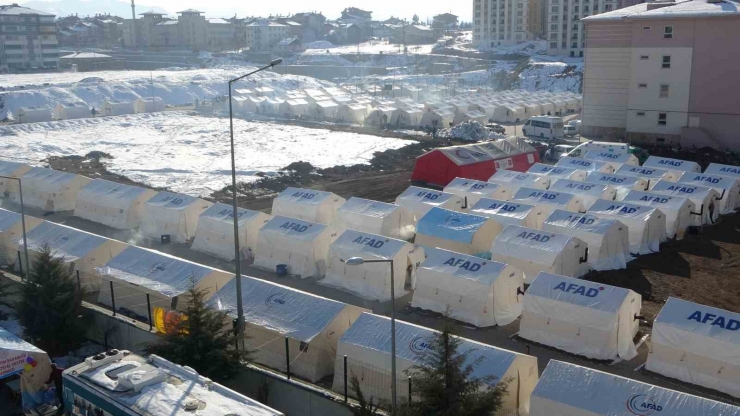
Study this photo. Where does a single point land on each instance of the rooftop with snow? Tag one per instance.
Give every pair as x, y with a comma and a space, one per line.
672, 10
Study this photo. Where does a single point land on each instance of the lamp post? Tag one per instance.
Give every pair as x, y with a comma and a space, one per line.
239, 306
23, 221
356, 261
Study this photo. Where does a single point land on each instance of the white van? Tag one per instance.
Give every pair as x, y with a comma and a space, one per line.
583, 148
544, 127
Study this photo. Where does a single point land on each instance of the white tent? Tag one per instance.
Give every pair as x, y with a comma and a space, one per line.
136, 272
478, 291
148, 105
176, 215
294, 108
29, 364
570, 390
252, 104
697, 344
705, 199
307, 205
724, 170
372, 280
727, 186
9, 187
375, 217
215, 231
457, 231
273, 312
508, 112
325, 110
270, 106
621, 183
548, 201
33, 114
652, 174
508, 212
11, 231
678, 210
581, 317
113, 204
84, 252
70, 110
380, 116
471, 115
420, 200
584, 164
607, 239
513, 180
352, 113
264, 91
588, 192
472, 191
50, 190
614, 159
367, 345
646, 224
117, 107
558, 172
535, 251
440, 118
678, 166
302, 246
408, 117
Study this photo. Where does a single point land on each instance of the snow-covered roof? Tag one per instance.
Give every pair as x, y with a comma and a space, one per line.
85, 55
578, 292
16, 10
327, 104
191, 11
450, 225
10, 342
287, 41
65, 242
450, 262
671, 10
171, 200
219, 21
278, 308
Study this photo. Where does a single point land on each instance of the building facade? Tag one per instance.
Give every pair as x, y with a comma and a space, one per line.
28, 38
263, 34
664, 72
565, 32
190, 30
505, 22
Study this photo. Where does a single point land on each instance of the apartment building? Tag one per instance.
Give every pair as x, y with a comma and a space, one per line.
664, 72
505, 22
263, 34
565, 32
28, 38
190, 30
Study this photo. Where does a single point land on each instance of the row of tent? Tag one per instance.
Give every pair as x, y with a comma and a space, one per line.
69, 110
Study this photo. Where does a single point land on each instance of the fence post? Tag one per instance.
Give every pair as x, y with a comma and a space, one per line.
526, 350
287, 358
20, 264
112, 298
148, 309
345, 379
79, 281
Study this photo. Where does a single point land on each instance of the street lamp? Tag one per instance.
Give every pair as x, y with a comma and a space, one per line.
357, 261
23, 221
239, 306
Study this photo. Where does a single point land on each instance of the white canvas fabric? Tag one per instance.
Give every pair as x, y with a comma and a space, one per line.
472, 191
307, 205
14, 352
8, 187
11, 231
548, 201
508, 212
581, 317
728, 188
367, 345
607, 239
566, 389
646, 224
372, 280
676, 165
705, 199
172, 214
136, 272
478, 291
651, 173
113, 204
514, 180
273, 312
451, 230
588, 192
584, 164
420, 200
69, 110
215, 232
534, 251
301, 245
621, 183
723, 170
50, 190
697, 344
615, 159
678, 210
375, 217
558, 172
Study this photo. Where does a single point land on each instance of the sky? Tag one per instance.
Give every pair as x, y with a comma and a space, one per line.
382, 9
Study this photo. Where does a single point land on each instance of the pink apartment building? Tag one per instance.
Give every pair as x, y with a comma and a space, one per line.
664, 72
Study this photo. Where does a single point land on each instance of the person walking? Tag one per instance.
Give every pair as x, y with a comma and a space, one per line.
56, 377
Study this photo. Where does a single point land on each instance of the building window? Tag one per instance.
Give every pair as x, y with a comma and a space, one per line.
646, 28
554, 9
553, 45
580, 54
553, 27
643, 86
664, 90
554, 36
640, 114
644, 57
668, 32
553, 18
520, 13
662, 119
666, 61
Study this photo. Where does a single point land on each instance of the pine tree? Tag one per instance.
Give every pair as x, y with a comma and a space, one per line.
444, 385
201, 340
50, 306
365, 407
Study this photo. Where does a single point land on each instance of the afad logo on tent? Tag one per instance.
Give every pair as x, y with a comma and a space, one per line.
421, 345
157, 267
275, 299
643, 405
453, 220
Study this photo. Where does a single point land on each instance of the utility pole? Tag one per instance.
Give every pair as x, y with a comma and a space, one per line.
133, 23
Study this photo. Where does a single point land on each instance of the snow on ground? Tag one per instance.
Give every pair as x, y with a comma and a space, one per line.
11, 324
551, 76
187, 152
372, 47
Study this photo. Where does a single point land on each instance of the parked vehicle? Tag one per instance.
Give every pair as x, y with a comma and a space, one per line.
496, 128
558, 151
544, 127
569, 130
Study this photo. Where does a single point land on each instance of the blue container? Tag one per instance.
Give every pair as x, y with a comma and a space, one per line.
281, 269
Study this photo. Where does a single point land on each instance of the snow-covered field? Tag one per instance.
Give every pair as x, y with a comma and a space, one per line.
371, 47
187, 152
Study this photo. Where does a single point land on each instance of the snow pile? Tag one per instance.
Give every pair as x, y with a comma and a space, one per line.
320, 44
469, 131
552, 76
11, 324
99, 377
